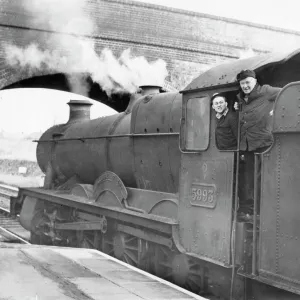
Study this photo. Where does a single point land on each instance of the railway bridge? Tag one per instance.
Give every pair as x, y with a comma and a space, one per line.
188, 42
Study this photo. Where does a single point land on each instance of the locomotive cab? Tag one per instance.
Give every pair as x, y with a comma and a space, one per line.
206, 179
208, 184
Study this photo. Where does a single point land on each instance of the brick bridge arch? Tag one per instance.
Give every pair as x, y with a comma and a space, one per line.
187, 41
58, 81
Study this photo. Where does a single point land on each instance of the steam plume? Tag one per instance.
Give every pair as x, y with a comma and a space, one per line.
73, 55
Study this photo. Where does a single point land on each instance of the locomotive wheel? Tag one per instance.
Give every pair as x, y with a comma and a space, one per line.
35, 238
177, 268
125, 247
38, 225
128, 248
88, 239
107, 244
122, 246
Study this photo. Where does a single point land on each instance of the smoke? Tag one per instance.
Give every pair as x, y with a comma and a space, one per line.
78, 84
76, 56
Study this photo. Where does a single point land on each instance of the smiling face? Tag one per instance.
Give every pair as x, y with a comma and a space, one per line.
219, 104
248, 84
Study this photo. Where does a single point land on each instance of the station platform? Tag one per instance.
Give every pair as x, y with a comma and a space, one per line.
31, 272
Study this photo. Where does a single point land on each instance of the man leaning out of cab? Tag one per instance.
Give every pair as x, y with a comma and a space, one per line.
226, 124
256, 108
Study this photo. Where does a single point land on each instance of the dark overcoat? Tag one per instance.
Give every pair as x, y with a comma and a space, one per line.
256, 117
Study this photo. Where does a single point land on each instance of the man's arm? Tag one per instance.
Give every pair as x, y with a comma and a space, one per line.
272, 92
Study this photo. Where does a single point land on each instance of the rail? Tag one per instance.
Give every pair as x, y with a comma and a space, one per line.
8, 224
8, 191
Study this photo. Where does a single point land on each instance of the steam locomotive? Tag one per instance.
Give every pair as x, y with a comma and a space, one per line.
149, 186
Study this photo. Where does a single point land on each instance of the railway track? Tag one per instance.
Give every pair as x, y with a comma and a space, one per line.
10, 229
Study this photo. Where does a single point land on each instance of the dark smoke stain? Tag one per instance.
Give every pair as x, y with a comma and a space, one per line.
69, 289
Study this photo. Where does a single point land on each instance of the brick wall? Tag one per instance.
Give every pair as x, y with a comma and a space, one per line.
187, 41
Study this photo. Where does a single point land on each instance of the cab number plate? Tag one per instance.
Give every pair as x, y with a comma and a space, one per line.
203, 195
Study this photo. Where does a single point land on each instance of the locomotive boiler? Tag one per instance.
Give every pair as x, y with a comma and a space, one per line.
149, 186
139, 145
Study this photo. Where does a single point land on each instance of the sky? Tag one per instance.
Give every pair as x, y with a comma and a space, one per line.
284, 14
24, 111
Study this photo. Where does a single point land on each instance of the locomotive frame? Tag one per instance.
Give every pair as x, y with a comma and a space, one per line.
166, 204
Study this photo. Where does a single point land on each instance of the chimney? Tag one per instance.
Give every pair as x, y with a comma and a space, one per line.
150, 89
79, 110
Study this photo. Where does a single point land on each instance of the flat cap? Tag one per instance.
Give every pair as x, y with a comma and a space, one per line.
244, 74
215, 95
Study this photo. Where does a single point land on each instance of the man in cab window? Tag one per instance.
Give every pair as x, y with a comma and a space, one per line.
256, 109
226, 124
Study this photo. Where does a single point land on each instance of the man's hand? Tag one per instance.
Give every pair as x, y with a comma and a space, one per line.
236, 106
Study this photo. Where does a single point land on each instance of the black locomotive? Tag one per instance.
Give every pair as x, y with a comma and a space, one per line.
149, 186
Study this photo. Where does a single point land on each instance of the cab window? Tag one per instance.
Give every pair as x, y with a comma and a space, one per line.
197, 122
